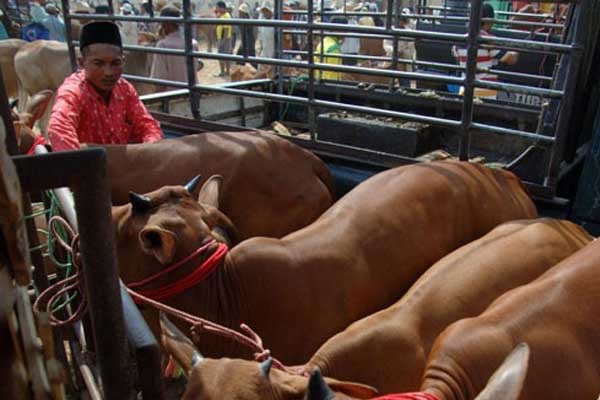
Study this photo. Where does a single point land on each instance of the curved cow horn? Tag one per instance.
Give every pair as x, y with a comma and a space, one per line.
192, 185
139, 202
317, 387
265, 367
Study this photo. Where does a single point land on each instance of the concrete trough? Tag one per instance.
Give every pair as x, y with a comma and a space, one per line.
374, 133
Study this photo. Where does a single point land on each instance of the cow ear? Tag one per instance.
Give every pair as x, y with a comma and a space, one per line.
356, 390
507, 382
209, 194
36, 107
159, 243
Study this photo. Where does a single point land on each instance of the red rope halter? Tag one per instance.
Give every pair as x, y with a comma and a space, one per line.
408, 396
199, 274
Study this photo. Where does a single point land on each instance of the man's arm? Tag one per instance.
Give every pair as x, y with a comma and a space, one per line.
145, 127
64, 120
505, 57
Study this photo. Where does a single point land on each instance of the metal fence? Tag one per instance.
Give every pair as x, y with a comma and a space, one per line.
559, 90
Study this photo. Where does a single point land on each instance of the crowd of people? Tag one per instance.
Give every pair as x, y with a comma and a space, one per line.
252, 40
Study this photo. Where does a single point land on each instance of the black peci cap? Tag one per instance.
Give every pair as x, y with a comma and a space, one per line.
488, 11
100, 32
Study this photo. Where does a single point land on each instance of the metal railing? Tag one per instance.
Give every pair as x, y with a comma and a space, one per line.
559, 94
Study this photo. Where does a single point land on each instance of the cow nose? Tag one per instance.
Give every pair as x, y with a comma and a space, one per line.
159, 243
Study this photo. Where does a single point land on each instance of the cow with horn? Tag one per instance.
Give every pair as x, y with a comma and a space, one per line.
388, 350
359, 257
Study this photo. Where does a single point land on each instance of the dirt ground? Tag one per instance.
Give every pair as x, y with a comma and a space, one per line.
211, 67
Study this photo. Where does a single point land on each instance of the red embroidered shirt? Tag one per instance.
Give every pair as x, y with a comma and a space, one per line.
80, 115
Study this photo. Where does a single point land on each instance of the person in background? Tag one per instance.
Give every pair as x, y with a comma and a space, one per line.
328, 6
3, 30
224, 37
487, 58
234, 29
326, 51
169, 67
247, 34
37, 12
299, 39
373, 8
266, 34
54, 24
129, 29
351, 45
96, 104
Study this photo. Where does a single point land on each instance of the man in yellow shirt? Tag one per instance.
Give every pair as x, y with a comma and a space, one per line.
331, 45
224, 36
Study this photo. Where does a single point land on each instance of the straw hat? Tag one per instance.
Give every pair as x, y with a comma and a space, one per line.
82, 8
244, 8
126, 8
267, 6
366, 21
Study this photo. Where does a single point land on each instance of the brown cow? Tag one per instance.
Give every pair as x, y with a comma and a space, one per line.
271, 187
394, 343
388, 350
357, 258
557, 315
41, 65
8, 49
288, 200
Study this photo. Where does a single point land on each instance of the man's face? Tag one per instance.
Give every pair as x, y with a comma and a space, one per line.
103, 65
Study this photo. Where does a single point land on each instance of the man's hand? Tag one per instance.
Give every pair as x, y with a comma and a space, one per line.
510, 58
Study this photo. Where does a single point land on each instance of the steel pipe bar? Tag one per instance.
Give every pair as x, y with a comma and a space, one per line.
189, 59
470, 73
582, 25
457, 38
509, 87
512, 132
452, 67
92, 196
311, 77
525, 44
69, 34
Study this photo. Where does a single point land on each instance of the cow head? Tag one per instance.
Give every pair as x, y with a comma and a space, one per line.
212, 379
164, 226
506, 383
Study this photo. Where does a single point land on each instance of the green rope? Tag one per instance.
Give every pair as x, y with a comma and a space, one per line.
57, 306
293, 82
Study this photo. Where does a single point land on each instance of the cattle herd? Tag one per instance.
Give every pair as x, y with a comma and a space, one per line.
436, 280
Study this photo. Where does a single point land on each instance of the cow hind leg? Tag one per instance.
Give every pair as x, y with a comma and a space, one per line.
43, 122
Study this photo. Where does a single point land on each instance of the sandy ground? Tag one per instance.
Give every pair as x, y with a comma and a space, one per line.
211, 67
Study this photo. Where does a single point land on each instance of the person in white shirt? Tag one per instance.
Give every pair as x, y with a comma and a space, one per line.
129, 29
266, 34
169, 67
351, 45
54, 24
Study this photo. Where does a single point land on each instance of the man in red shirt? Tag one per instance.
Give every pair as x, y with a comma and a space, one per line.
97, 105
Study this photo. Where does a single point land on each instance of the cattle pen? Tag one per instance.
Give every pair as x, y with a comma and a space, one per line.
534, 137
386, 110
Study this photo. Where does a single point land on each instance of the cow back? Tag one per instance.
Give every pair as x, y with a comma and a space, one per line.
271, 187
394, 343
557, 315
365, 252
